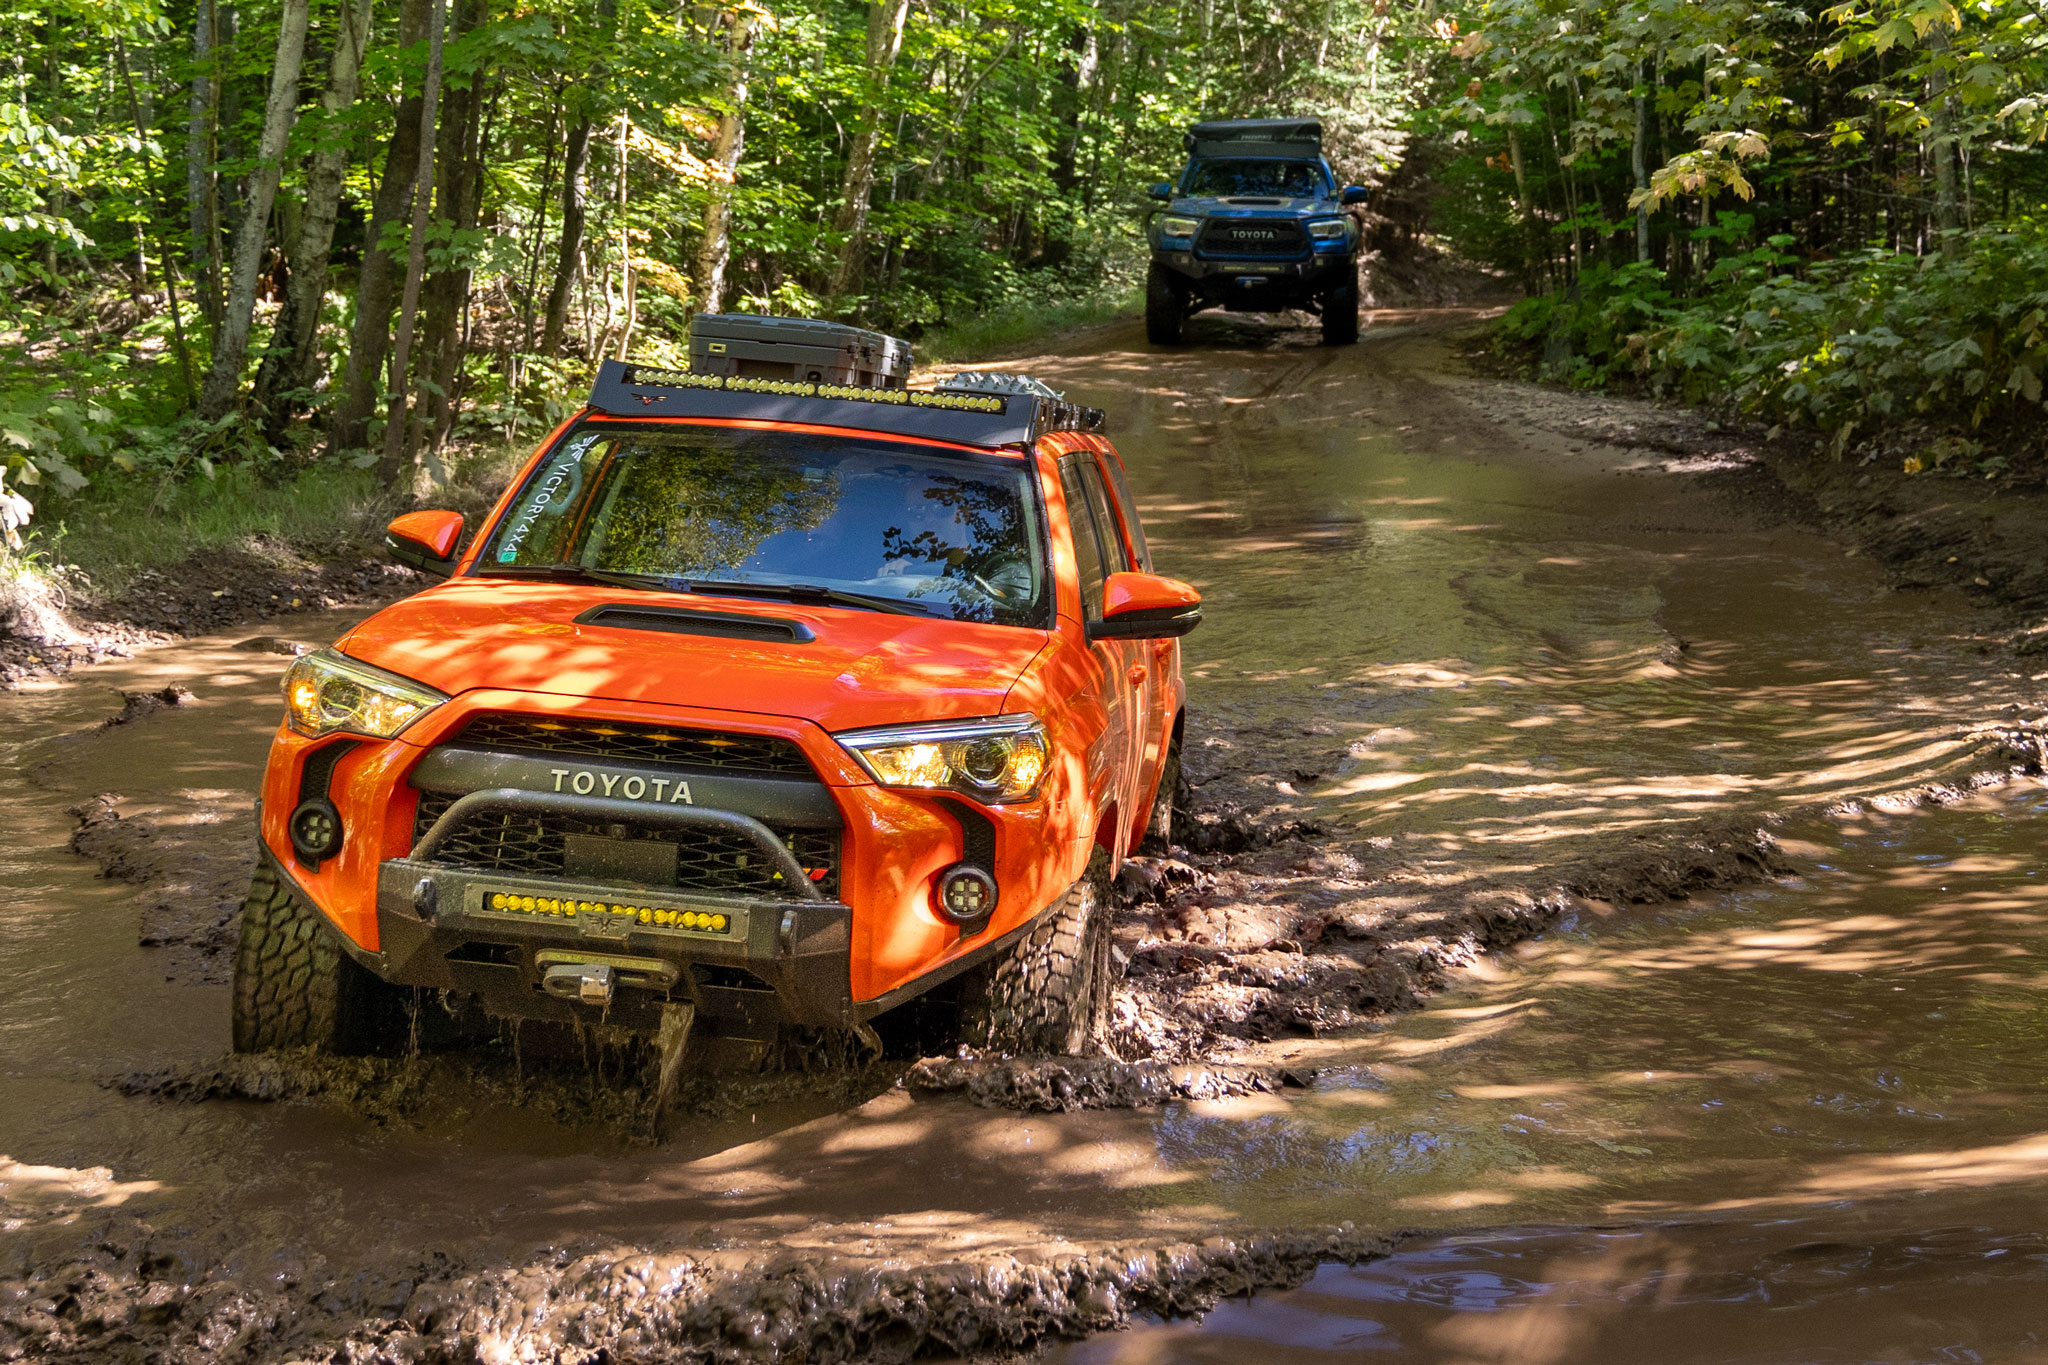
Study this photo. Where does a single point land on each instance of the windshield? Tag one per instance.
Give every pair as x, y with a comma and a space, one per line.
1260, 178
708, 507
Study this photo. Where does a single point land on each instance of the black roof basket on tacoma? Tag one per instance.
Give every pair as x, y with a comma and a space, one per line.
973, 408
1295, 137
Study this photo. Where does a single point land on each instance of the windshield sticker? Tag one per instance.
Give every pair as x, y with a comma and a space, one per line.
554, 493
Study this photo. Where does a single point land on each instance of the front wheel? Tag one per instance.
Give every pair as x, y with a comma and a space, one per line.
1165, 306
295, 987
1048, 993
1340, 316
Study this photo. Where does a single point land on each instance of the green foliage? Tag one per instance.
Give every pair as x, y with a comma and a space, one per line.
1847, 346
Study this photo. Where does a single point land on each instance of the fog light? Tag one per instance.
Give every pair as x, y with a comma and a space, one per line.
315, 831
966, 893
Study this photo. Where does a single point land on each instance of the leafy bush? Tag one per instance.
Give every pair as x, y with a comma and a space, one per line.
1845, 346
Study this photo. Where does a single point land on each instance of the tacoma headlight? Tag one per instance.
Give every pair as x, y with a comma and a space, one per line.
1330, 229
1001, 758
326, 691
1174, 225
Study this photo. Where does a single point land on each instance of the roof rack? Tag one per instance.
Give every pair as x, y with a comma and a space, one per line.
968, 416
1256, 137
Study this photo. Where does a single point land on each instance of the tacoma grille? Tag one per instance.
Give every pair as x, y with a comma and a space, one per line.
627, 740
706, 860
1252, 237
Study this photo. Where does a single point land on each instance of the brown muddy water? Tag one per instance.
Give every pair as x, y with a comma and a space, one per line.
1800, 1120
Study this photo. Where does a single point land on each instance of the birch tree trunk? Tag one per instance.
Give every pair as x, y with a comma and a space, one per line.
885, 40
293, 362
377, 278
708, 276
231, 342
393, 465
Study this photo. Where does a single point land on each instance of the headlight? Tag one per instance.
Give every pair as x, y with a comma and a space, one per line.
1329, 229
998, 759
326, 691
1174, 225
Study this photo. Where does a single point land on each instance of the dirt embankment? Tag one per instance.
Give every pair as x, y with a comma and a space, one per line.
42, 635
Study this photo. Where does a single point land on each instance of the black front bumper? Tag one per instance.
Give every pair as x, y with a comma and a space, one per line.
1258, 285
775, 961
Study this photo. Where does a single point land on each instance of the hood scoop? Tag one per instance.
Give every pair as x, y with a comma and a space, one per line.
1249, 201
689, 621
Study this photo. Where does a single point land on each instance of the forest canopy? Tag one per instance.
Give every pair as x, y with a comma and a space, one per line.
272, 234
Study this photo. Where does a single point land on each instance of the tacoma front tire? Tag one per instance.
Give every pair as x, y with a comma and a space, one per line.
1048, 993
295, 987
1340, 316
1165, 306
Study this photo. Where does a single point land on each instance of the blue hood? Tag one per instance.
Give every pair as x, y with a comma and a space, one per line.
1247, 206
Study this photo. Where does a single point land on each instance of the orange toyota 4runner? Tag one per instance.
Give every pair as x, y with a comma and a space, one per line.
753, 702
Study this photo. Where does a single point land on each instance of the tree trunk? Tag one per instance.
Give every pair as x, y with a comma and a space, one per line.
446, 300
1640, 163
393, 465
293, 363
375, 280
627, 292
885, 40
231, 343
1941, 146
1076, 75
575, 159
575, 207
202, 190
708, 278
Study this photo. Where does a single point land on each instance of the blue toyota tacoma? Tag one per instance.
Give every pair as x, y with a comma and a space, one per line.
1255, 224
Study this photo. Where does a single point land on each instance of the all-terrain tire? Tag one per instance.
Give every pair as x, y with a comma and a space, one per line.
1048, 994
1165, 306
1340, 316
295, 987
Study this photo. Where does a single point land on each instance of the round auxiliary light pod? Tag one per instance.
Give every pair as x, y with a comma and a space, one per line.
315, 830
966, 893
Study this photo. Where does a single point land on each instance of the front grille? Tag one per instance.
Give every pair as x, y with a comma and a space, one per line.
626, 740
1252, 237
533, 845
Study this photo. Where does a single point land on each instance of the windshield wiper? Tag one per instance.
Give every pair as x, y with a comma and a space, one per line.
787, 592
807, 592
576, 573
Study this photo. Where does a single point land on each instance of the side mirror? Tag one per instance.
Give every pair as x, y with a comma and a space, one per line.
1162, 191
425, 541
1145, 606
1355, 194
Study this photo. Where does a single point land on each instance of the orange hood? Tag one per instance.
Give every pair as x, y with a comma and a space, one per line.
864, 667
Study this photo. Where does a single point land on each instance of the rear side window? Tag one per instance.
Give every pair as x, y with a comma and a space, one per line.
1087, 546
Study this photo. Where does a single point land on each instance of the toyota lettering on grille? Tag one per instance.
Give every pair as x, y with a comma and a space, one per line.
1255, 234
668, 791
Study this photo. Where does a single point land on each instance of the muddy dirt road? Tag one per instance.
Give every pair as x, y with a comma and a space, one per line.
1465, 678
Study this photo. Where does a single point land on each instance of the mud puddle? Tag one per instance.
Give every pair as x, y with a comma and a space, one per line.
1823, 1098
1797, 1289
1460, 683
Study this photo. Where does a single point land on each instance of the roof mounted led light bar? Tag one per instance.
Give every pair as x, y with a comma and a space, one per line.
969, 417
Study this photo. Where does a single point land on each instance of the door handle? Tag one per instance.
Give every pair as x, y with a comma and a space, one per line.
1136, 675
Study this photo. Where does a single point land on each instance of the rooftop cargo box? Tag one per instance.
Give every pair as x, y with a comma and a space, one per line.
745, 346
1280, 137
